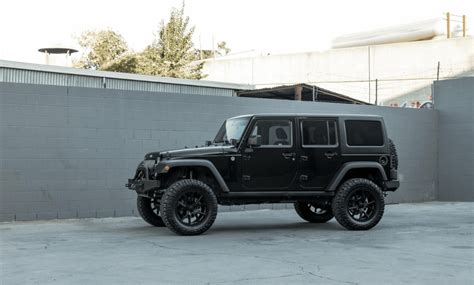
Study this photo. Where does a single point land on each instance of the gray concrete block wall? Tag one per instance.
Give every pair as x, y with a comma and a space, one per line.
454, 100
67, 152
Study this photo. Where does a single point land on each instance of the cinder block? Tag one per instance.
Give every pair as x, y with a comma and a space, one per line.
87, 214
105, 213
135, 213
68, 215
9, 98
123, 213
237, 208
265, 206
251, 207
47, 216
142, 134
278, 206
224, 208
25, 216
7, 217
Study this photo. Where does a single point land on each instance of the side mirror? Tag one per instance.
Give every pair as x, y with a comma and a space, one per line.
207, 143
233, 142
254, 141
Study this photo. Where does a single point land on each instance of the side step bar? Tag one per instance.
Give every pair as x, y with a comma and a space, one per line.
277, 194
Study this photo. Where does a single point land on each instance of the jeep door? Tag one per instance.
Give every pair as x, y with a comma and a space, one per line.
269, 162
319, 157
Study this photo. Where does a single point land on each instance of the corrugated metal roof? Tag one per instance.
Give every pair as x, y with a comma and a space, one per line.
18, 72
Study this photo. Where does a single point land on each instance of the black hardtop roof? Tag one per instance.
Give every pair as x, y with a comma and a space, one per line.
309, 115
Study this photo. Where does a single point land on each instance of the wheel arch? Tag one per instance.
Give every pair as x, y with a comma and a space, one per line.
171, 165
367, 167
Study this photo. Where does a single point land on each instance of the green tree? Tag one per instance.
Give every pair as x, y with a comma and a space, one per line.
221, 50
172, 53
127, 63
106, 50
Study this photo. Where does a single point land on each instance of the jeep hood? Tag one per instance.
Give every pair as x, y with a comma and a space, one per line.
190, 152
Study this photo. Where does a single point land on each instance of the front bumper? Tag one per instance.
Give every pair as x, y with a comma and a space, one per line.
141, 182
142, 186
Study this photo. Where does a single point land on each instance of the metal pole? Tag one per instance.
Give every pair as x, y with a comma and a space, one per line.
200, 47
437, 73
432, 93
313, 93
213, 48
463, 26
448, 23
368, 52
376, 91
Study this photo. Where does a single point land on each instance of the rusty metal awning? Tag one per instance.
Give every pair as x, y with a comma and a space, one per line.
300, 92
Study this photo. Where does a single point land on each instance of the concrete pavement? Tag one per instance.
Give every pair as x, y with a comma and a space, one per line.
428, 243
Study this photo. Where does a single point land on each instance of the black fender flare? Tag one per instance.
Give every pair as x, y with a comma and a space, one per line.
354, 165
194, 162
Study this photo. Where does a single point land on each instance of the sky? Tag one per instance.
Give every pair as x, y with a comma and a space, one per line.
266, 26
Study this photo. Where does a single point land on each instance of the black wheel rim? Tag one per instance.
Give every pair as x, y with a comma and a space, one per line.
361, 205
192, 209
155, 205
317, 209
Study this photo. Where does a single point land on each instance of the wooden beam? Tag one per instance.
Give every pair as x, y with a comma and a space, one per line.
463, 26
448, 25
298, 92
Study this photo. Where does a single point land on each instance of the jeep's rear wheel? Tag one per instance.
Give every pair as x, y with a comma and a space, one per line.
359, 204
314, 212
189, 207
149, 210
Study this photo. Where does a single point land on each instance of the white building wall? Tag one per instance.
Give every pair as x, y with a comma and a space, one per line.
402, 69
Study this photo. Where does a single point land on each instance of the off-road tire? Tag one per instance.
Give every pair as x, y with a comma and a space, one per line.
303, 209
169, 204
393, 154
144, 206
340, 204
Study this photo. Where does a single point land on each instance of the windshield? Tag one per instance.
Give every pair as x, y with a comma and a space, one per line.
232, 129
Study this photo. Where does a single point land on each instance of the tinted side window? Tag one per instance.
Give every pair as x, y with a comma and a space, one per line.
273, 133
318, 132
364, 133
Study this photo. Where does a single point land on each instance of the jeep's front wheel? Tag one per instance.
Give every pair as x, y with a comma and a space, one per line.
313, 212
149, 210
359, 204
189, 207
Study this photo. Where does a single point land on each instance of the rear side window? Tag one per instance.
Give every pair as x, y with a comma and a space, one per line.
364, 133
318, 132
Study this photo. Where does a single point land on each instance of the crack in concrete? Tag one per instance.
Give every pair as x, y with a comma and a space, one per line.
255, 278
301, 267
223, 253
325, 277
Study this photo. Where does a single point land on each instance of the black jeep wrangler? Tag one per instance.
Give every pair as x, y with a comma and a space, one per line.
327, 165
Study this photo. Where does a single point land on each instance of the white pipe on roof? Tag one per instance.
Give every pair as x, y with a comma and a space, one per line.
421, 30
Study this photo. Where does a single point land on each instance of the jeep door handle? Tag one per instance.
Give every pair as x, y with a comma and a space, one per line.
288, 155
330, 155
